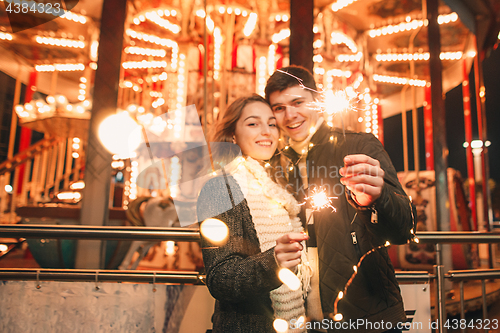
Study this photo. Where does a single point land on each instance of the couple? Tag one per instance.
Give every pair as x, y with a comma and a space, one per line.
266, 222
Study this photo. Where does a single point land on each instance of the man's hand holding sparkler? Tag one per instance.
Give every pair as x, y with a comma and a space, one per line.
363, 176
288, 249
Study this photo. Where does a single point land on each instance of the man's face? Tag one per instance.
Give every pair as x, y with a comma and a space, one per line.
294, 111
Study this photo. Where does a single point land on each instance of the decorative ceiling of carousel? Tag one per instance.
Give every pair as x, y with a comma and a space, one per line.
365, 44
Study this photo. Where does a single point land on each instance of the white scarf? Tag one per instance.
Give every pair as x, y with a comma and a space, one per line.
274, 214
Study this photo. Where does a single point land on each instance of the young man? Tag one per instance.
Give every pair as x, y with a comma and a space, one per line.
371, 208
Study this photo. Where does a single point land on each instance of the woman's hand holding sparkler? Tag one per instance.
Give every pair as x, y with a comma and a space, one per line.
363, 176
288, 249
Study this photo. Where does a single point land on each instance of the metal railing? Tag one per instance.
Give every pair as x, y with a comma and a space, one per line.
186, 234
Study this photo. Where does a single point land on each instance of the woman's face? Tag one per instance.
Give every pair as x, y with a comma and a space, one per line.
256, 132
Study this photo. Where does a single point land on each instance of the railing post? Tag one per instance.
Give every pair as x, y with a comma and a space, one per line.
485, 304
462, 304
440, 290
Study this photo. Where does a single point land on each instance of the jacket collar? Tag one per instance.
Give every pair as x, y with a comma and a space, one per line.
321, 135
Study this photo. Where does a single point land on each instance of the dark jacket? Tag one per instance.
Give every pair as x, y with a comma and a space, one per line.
374, 294
238, 275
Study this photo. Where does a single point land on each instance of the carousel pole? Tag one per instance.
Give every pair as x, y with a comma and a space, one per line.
301, 33
468, 138
205, 72
443, 252
482, 133
12, 141
95, 203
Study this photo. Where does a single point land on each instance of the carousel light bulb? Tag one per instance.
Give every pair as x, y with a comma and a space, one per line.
387, 243
341, 294
169, 248
289, 279
3, 247
280, 325
355, 268
214, 230
120, 134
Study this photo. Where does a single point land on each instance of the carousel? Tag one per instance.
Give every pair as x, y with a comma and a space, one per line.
124, 94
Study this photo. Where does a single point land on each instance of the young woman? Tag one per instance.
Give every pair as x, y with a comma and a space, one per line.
265, 233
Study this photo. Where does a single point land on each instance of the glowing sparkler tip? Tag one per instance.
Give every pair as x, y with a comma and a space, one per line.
214, 173
416, 240
320, 200
267, 165
338, 317
355, 268
341, 294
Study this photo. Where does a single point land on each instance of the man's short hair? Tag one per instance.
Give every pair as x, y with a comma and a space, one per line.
290, 76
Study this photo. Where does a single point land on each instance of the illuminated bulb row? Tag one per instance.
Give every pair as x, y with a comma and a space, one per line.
371, 118
402, 56
174, 58
60, 67
341, 38
417, 56
169, 248
60, 104
83, 89
283, 18
145, 51
161, 77
75, 147
134, 172
144, 64
350, 57
339, 73
283, 34
130, 84
261, 76
399, 80
222, 10
217, 52
155, 94
60, 42
5, 36
152, 39
318, 43
153, 17
250, 24
271, 59
157, 103
409, 25
181, 90
175, 176
318, 58
160, 12
158, 125
132, 108
72, 17
341, 4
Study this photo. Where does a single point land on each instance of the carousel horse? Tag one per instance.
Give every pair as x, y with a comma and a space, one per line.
148, 212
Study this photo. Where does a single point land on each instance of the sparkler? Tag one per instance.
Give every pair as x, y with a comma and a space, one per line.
319, 200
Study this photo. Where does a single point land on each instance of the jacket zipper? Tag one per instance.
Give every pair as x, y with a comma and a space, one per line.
355, 243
